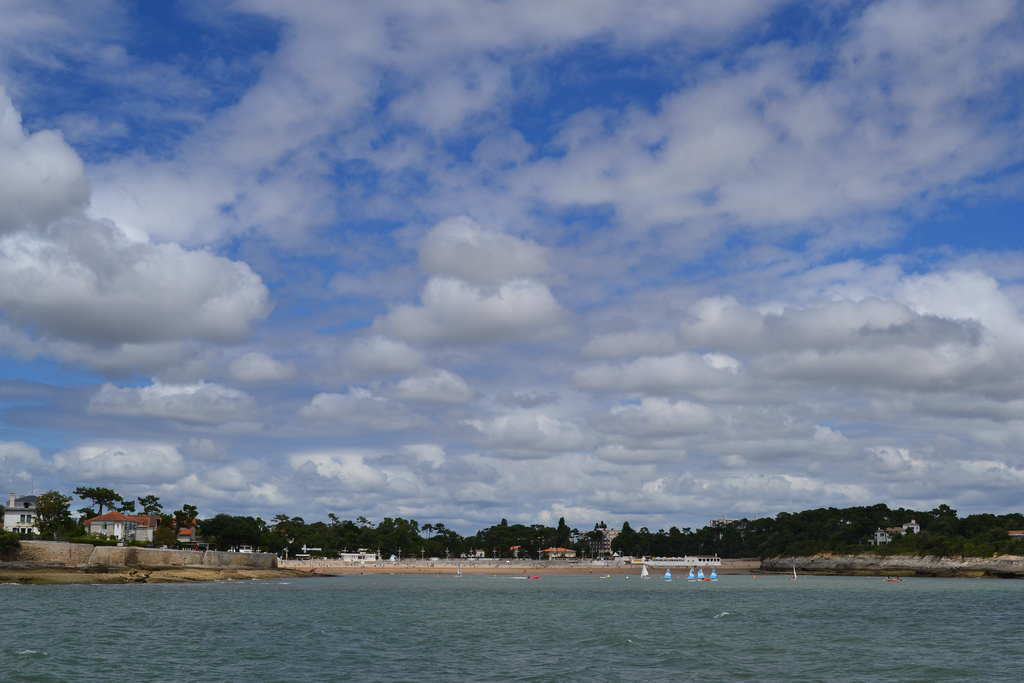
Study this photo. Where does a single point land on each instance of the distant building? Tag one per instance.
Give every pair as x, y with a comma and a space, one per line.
603, 546
123, 527
1016, 535
884, 536
20, 515
362, 555
553, 553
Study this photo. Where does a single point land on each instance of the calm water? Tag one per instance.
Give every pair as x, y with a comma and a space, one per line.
482, 628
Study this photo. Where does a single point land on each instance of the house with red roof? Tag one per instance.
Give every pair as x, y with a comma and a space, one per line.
123, 527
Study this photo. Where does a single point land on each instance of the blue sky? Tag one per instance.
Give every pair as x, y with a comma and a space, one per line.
459, 261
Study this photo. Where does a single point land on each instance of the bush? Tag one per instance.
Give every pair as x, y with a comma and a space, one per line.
9, 542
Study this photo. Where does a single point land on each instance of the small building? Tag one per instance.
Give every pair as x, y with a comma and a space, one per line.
884, 536
123, 527
362, 556
20, 515
1016, 535
557, 553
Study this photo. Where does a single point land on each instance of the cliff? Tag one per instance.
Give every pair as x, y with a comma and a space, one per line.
1004, 566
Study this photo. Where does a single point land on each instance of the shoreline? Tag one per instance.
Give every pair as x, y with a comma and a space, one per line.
19, 573
520, 567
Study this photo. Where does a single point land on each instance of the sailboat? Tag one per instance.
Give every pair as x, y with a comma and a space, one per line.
458, 571
690, 576
794, 574
700, 574
668, 574
644, 574
714, 575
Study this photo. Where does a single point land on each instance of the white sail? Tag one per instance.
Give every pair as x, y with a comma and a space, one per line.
714, 575
691, 576
458, 571
644, 574
794, 574
668, 574
700, 574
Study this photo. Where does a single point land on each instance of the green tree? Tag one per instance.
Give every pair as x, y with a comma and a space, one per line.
151, 505
186, 515
99, 496
9, 542
127, 507
53, 513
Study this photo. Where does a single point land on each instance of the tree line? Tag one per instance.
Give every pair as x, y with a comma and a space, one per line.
834, 530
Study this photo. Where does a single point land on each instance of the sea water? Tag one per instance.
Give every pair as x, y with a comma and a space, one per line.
497, 628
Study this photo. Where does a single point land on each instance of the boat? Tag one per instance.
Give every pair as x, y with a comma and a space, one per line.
690, 576
714, 575
893, 578
668, 574
644, 574
794, 574
700, 574
458, 571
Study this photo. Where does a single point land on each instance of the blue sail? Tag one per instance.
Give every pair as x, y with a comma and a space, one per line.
714, 575
700, 574
691, 577
668, 574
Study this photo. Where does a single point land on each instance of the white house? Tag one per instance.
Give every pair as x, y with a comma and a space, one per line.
117, 525
20, 515
363, 556
883, 536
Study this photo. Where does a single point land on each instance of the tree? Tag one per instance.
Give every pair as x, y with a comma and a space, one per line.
186, 515
53, 513
127, 507
151, 505
99, 496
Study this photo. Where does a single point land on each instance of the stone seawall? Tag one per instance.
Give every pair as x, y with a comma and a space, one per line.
1005, 566
84, 555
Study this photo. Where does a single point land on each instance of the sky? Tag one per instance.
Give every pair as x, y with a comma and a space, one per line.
458, 261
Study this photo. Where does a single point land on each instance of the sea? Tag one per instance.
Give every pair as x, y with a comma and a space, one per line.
498, 628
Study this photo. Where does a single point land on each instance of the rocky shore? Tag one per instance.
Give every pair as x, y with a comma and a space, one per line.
46, 562
1004, 566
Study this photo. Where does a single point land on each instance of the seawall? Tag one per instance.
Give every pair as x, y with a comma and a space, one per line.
1004, 566
55, 553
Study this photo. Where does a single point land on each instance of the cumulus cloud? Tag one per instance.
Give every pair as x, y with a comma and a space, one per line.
359, 409
454, 311
458, 247
256, 366
439, 386
529, 432
126, 462
17, 457
339, 470
679, 372
381, 357
85, 281
656, 417
431, 454
200, 403
41, 180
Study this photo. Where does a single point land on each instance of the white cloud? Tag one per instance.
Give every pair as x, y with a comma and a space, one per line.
680, 372
440, 386
381, 357
458, 247
125, 462
70, 278
656, 417
431, 454
454, 311
41, 178
635, 343
17, 457
529, 433
201, 403
344, 471
256, 366
359, 409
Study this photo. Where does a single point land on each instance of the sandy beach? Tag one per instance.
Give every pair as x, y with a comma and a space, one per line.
122, 575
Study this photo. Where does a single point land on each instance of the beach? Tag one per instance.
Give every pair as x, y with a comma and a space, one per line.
499, 568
